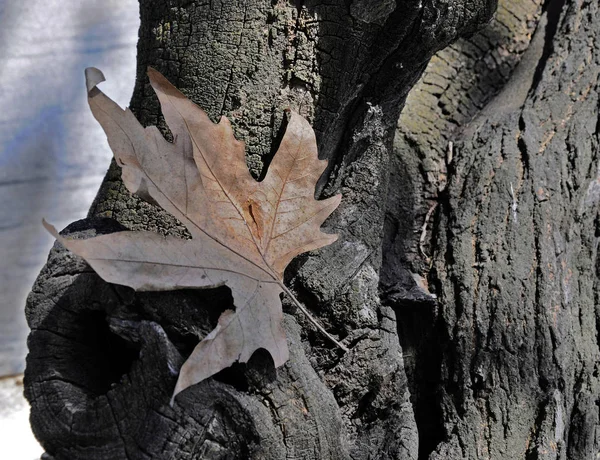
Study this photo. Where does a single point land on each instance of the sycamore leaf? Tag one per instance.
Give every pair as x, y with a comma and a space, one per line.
244, 232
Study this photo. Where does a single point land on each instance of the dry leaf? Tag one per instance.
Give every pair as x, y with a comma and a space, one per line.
244, 232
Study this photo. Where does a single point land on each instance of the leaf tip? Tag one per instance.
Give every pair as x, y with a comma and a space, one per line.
225, 121
51, 229
160, 84
179, 387
152, 73
93, 77
337, 199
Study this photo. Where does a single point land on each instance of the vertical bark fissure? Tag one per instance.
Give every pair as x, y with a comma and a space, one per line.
553, 9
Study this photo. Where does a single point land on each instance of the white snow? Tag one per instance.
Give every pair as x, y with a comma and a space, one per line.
53, 154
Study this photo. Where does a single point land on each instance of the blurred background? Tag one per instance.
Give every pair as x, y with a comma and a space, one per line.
53, 155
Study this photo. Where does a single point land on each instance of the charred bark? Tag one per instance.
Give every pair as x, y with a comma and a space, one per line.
502, 364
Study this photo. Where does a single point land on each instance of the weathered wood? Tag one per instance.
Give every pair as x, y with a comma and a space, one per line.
458, 83
519, 288
509, 369
513, 369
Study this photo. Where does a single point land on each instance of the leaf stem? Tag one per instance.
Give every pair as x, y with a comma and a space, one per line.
310, 318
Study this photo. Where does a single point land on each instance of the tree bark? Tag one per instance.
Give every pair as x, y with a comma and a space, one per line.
507, 366
464, 281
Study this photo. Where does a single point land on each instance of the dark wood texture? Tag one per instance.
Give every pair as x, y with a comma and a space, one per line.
501, 365
505, 363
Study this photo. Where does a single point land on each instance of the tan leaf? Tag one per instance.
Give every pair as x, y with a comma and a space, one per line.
244, 232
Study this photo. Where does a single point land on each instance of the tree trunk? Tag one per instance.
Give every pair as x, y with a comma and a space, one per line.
464, 279
506, 365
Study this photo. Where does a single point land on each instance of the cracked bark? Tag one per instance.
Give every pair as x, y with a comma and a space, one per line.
512, 335
501, 365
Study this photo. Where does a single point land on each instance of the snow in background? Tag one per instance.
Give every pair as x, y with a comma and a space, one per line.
53, 154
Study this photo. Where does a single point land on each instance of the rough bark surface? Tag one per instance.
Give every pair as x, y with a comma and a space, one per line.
504, 362
103, 359
501, 365
517, 267
458, 83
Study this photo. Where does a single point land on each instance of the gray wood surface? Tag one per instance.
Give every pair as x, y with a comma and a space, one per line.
104, 359
53, 154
